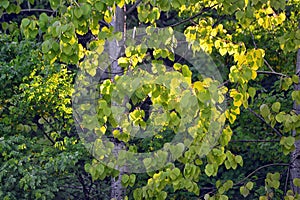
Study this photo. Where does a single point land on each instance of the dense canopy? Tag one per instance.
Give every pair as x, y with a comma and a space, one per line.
152, 99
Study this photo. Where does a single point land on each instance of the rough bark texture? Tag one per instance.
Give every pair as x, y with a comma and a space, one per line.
115, 50
295, 157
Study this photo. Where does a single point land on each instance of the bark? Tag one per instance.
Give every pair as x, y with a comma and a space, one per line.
115, 50
295, 157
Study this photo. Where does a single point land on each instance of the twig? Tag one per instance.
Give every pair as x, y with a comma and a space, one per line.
193, 22
192, 17
286, 180
224, 83
131, 9
262, 119
253, 40
47, 136
255, 46
266, 62
264, 166
272, 73
236, 141
34, 10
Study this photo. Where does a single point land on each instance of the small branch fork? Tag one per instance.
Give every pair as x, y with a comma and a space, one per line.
272, 73
261, 167
263, 120
192, 17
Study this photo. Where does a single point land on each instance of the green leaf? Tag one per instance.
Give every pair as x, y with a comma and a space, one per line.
239, 14
186, 71
177, 66
296, 182
54, 4
99, 6
78, 12
138, 194
25, 22
177, 150
175, 173
296, 96
147, 162
249, 185
228, 185
209, 169
295, 79
264, 110
132, 179
287, 82
86, 9
125, 179
280, 117
239, 160
276, 106
252, 92
290, 141
244, 191
4, 4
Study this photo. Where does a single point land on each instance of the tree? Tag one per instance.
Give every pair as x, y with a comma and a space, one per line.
253, 44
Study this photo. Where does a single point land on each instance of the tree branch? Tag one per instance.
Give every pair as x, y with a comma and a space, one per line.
286, 180
255, 46
223, 84
192, 17
236, 141
131, 9
266, 62
272, 73
33, 10
263, 120
256, 170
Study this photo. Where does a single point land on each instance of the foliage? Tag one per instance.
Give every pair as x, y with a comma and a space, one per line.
256, 41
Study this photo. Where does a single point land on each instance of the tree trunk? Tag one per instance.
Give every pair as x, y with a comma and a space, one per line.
115, 50
295, 157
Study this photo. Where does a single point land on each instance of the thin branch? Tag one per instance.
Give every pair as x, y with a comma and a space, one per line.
256, 170
192, 17
236, 141
253, 40
272, 73
193, 22
266, 62
286, 180
224, 83
263, 120
131, 9
255, 46
34, 10
46, 135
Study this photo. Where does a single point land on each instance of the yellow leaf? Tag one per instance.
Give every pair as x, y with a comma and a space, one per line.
107, 16
198, 85
81, 51
237, 103
266, 23
214, 32
121, 3
220, 27
269, 11
95, 29
217, 44
281, 18
254, 75
260, 21
241, 59
236, 110
222, 51
233, 92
